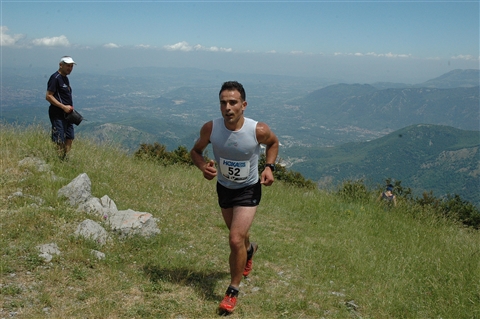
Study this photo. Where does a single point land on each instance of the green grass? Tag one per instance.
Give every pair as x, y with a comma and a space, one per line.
318, 257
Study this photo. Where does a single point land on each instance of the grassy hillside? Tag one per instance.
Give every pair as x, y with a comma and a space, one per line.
319, 256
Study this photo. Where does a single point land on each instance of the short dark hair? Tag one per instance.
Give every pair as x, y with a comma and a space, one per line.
232, 86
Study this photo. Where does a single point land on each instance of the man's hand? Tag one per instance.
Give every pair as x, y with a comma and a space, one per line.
67, 108
51, 98
267, 177
209, 170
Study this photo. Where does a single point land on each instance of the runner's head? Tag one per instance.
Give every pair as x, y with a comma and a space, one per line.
233, 86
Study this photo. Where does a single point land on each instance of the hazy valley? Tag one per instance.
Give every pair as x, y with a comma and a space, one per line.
313, 118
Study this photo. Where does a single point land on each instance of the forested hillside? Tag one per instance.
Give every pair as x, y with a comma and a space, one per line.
426, 158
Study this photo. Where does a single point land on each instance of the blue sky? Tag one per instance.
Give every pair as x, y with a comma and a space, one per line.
364, 41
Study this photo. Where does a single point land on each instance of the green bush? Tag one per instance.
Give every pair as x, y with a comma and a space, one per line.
159, 153
427, 199
452, 207
455, 208
354, 191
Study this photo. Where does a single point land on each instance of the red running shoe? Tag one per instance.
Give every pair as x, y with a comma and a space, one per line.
228, 303
249, 265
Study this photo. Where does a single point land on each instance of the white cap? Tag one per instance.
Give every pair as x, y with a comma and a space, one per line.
67, 60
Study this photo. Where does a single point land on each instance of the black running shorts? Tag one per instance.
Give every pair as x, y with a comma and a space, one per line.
247, 196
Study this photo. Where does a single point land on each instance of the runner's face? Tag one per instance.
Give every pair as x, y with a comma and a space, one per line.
232, 106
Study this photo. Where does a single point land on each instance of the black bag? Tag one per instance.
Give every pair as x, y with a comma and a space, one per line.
74, 117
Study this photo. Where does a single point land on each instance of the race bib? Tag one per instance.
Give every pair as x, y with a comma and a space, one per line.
236, 171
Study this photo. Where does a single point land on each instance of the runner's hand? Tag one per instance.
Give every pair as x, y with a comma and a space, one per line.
267, 177
209, 170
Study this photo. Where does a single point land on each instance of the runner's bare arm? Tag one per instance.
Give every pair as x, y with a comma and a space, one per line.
208, 169
269, 139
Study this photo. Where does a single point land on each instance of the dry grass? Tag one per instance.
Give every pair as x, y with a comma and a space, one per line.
319, 257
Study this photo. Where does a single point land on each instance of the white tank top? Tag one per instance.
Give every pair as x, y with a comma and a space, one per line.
236, 153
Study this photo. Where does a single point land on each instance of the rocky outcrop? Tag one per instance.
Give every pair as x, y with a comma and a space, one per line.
124, 223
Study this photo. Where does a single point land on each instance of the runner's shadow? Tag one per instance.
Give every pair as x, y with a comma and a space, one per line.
204, 283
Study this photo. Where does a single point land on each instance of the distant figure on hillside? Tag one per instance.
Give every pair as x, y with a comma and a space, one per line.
236, 146
59, 94
388, 197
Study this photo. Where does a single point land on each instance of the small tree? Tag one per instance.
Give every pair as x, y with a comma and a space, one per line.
154, 151
354, 191
456, 208
182, 156
159, 153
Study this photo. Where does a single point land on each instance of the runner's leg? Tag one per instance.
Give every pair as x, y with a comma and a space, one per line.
238, 220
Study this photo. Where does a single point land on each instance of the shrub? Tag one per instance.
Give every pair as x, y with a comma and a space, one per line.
427, 199
159, 153
456, 208
355, 191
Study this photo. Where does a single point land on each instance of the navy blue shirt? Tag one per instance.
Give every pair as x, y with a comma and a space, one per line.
60, 86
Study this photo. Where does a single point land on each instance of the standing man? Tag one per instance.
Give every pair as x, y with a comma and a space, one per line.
236, 146
59, 94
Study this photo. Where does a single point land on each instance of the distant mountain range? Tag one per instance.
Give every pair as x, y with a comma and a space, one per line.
427, 158
130, 133
167, 105
453, 79
370, 108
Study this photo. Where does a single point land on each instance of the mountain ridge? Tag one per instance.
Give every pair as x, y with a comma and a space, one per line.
368, 107
424, 157
454, 78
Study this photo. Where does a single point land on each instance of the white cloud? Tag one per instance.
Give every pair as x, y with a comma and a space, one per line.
143, 46
394, 55
303, 53
387, 55
60, 41
184, 46
111, 46
9, 40
464, 57
180, 46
